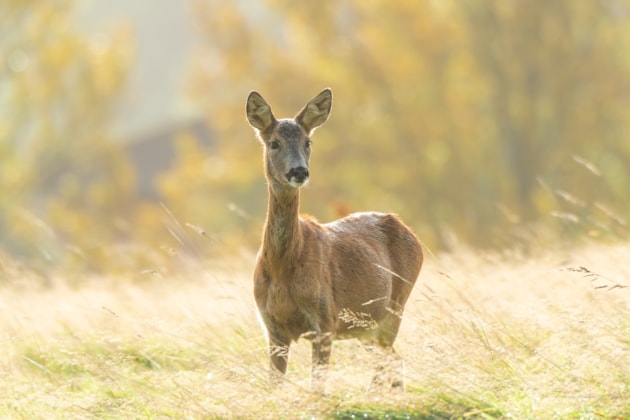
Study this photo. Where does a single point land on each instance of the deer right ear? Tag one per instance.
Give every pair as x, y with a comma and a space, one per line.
259, 112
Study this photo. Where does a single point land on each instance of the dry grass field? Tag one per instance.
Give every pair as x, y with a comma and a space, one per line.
483, 336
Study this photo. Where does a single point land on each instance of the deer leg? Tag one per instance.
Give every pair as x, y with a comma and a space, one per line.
390, 366
389, 370
321, 348
387, 329
278, 358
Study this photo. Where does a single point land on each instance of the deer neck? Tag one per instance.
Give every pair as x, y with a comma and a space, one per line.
282, 238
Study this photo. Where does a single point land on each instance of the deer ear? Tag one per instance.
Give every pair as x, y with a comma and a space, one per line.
316, 112
259, 112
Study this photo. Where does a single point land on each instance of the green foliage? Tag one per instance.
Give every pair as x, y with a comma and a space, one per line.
474, 121
61, 176
445, 407
467, 118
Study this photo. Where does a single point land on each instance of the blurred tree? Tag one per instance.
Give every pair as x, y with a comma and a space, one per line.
557, 87
464, 117
62, 178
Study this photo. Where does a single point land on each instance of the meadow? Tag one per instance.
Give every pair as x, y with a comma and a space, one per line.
484, 335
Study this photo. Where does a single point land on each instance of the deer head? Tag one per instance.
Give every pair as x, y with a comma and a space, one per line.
287, 141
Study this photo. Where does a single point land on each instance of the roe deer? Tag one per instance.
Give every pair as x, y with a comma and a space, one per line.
347, 279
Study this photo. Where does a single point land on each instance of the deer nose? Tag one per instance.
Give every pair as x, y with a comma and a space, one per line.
297, 175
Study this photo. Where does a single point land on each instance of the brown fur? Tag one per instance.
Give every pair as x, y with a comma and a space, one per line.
308, 274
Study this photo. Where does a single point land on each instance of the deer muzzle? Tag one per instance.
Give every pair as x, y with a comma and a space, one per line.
297, 176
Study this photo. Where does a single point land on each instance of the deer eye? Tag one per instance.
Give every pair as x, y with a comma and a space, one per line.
274, 145
308, 144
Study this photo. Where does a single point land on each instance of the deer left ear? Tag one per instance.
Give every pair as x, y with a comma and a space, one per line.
316, 112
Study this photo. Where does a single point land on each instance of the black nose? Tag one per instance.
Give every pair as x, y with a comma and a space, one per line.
298, 174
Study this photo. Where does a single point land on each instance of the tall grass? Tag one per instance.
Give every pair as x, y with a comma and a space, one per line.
483, 335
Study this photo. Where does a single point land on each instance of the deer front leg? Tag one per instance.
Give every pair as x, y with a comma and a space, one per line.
321, 347
278, 358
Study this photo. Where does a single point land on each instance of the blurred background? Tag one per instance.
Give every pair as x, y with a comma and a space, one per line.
123, 140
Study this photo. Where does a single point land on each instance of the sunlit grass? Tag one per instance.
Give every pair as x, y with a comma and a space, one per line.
483, 335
